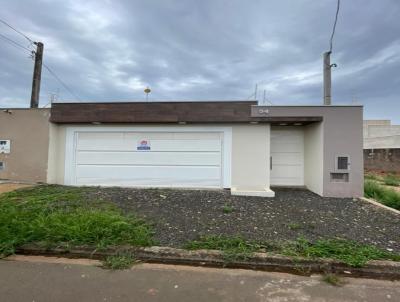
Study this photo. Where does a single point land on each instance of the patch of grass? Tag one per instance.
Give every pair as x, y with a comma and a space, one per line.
238, 248
370, 176
120, 261
333, 279
391, 180
311, 225
294, 226
57, 215
381, 194
227, 209
349, 252
234, 248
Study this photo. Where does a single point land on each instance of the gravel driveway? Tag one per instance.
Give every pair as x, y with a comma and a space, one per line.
181, 215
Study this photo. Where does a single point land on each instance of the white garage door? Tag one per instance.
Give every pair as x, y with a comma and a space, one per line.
128, 158
287, 155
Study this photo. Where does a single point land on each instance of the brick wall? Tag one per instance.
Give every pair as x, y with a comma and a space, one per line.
387, 160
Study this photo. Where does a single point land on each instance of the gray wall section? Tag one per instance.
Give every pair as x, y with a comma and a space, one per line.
380, 134
342, 136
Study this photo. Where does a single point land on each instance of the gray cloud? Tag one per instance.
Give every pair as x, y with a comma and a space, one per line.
210, 49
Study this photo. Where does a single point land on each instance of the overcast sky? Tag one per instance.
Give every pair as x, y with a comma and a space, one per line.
205, 50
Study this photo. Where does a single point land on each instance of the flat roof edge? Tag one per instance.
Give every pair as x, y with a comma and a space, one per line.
12, 108
155, 102
324, 106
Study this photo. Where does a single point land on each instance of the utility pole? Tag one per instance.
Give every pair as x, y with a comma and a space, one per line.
327, 78
264, 98
37, 74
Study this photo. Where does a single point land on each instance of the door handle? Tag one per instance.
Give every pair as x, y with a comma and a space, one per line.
270, 162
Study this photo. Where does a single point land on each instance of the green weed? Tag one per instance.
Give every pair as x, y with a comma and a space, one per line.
333, 279
119, 261
233, 248
349, 252
370, 176
294, 226
391, 180
384, 195
227, 209
56, 215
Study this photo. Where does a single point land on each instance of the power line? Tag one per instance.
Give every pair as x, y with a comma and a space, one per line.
334, 26
17, 31
20, 46
16, 44
61, 81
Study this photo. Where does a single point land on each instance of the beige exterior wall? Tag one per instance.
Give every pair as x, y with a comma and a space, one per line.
38, 149
56, 159
313, 158
28, 130
250, 159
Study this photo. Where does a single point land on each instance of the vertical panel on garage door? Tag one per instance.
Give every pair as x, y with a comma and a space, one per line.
287, 153
173, 159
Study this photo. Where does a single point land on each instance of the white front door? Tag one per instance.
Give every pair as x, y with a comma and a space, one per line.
148, 158
287, 156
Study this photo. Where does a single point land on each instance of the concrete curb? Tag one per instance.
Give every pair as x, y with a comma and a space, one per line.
378, 204
388, 270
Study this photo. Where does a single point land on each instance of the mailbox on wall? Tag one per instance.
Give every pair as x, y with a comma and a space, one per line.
5, 146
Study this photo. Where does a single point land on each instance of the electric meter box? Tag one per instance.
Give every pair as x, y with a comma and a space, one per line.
5, 146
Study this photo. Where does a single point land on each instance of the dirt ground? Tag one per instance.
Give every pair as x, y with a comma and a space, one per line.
8, 187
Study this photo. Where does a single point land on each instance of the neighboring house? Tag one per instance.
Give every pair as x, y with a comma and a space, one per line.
24, 144
381, 146
234, 145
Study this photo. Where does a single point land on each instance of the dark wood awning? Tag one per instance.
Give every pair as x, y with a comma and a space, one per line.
165, 112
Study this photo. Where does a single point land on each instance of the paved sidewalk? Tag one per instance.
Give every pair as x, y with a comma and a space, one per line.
42, 279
